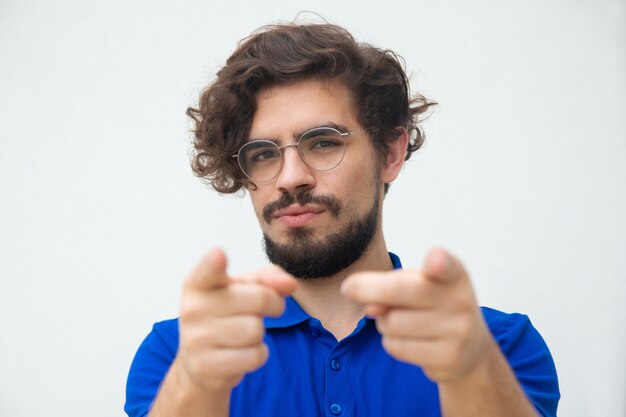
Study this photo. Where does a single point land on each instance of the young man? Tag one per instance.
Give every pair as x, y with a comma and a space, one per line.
315, 126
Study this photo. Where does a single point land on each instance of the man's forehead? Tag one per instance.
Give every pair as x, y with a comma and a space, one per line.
292, 109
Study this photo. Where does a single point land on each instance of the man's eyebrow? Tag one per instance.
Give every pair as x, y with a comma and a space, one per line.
334, 125
297, 135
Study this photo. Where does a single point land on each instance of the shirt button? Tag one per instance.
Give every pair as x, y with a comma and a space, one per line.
335, 409
315, 332
335, 365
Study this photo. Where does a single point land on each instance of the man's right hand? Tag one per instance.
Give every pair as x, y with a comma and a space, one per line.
221, 321
220, 335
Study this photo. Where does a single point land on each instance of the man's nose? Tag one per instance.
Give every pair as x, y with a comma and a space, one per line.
295, 175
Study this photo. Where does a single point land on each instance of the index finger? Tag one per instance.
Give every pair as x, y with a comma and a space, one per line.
271, 276
442, 267
402, 288
210, 272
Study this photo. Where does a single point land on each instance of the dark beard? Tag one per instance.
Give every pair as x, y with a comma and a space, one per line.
306, 258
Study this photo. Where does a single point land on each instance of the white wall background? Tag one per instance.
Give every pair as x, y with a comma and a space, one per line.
523, 176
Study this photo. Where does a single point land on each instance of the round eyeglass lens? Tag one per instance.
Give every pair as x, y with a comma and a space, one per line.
260, 160
322, 148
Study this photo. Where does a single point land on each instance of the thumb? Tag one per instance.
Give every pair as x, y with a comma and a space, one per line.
210, 272
442, 267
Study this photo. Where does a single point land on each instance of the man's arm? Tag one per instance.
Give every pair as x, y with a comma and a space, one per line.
179, 396
431, 318
492, 390
221, 336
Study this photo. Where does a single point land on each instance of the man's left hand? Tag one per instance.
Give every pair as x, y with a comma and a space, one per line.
427, 317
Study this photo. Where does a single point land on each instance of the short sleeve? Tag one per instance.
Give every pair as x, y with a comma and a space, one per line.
529, 357
152, 361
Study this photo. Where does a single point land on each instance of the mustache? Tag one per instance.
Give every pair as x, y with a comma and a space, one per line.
328, 201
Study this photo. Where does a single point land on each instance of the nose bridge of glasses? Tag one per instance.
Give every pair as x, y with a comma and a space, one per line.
283, 149
289, 145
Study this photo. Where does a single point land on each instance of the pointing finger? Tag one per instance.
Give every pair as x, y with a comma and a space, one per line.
271, 276
440, 266
210, 272
402, 288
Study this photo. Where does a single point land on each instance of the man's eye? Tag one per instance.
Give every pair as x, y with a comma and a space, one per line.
264, 155
320, 144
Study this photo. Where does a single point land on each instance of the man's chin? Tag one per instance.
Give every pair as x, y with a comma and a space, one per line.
306, 256
292, 235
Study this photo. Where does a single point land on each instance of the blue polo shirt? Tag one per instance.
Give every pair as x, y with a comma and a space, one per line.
310, 374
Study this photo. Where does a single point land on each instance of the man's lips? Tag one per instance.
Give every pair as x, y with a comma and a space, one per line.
297, 216
303, 201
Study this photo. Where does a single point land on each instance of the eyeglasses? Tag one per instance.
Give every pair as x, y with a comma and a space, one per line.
321, 149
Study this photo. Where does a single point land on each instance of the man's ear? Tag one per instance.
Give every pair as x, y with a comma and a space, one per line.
396, 152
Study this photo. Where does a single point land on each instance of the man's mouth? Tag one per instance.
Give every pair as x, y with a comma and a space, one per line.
304, 203
297, 215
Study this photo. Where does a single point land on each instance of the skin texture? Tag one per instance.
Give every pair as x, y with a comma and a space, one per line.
280, 117
428, 317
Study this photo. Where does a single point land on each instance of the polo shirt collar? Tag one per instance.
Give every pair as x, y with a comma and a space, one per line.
294, 314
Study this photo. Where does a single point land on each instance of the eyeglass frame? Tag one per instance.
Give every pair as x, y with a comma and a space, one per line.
297, 145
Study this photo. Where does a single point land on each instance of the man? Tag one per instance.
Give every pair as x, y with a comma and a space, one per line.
315, 127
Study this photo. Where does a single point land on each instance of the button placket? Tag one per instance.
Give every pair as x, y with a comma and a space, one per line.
337, 381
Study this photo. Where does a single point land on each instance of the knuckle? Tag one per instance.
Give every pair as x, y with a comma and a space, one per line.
203, 368
398, 349
193, 345
195, 304
262, 301
461, 330
397, 323
186, 313
382, 325
393, 321
276, 307
453, 357
194, 342
260, 355
391, 345
462, 301
189, 310
251, 329
251, 359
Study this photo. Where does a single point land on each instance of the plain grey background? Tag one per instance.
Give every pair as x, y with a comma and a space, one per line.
522, 176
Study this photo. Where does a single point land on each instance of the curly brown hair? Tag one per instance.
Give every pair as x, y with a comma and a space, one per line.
288, 53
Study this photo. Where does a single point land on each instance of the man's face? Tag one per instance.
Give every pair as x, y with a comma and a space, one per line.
316, 223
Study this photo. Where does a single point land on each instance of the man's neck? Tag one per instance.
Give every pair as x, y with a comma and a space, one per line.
321, 298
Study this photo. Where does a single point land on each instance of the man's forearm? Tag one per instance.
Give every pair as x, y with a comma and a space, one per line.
178, 397
490, 391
